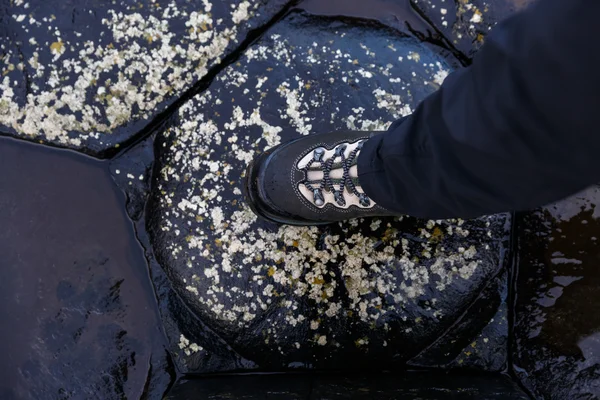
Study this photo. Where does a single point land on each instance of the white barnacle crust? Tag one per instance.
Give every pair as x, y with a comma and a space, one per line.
127, 70
188, 347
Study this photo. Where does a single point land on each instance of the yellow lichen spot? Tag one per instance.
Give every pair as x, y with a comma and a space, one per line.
473, 344
307, 86
258, 258
199, 218
219, 242
437, 234
57, 47
355, 62
271, 271
467, 353
295, 243
318, 281
418, 320
389, 234
480, 37
269, 69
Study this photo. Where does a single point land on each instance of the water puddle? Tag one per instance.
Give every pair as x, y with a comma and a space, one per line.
557, 331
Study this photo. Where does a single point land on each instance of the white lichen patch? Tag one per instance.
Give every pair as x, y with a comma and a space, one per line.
127, 69
188, 347
299, 283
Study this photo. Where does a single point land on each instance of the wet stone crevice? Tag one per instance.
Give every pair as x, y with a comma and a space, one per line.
236, 294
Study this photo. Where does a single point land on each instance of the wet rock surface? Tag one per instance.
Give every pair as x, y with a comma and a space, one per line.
77, 312
368, 293
557, 330
90, 75
466, 23
235, 293
479, 340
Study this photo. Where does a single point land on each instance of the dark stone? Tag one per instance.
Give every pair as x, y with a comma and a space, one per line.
383, 386
77, 316
466, 23
557, 331
362, 293
479, 339
90, 75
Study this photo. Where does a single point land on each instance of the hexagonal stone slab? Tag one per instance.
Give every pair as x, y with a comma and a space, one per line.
361, 293
557, 330
89, 76
465, 23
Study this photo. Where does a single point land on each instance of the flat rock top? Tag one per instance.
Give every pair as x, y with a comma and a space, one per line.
90, 76
374, 291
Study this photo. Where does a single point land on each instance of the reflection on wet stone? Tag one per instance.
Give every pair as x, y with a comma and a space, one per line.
91, 76
77, 307
466, 23
558, 316
373, 292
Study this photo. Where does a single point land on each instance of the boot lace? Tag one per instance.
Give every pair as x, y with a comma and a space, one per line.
335, 185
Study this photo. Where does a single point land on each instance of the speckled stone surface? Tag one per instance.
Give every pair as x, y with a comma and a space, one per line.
466, 23
557, 330
90, 75
359, 293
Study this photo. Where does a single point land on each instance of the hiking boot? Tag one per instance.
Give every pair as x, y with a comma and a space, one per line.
312, 180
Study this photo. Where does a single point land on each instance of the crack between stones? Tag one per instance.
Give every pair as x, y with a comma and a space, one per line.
143, 239
161, 119
512, 300
442, 42
458, 320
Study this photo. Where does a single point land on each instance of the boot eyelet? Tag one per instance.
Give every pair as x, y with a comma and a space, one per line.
318, 154
318, 197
